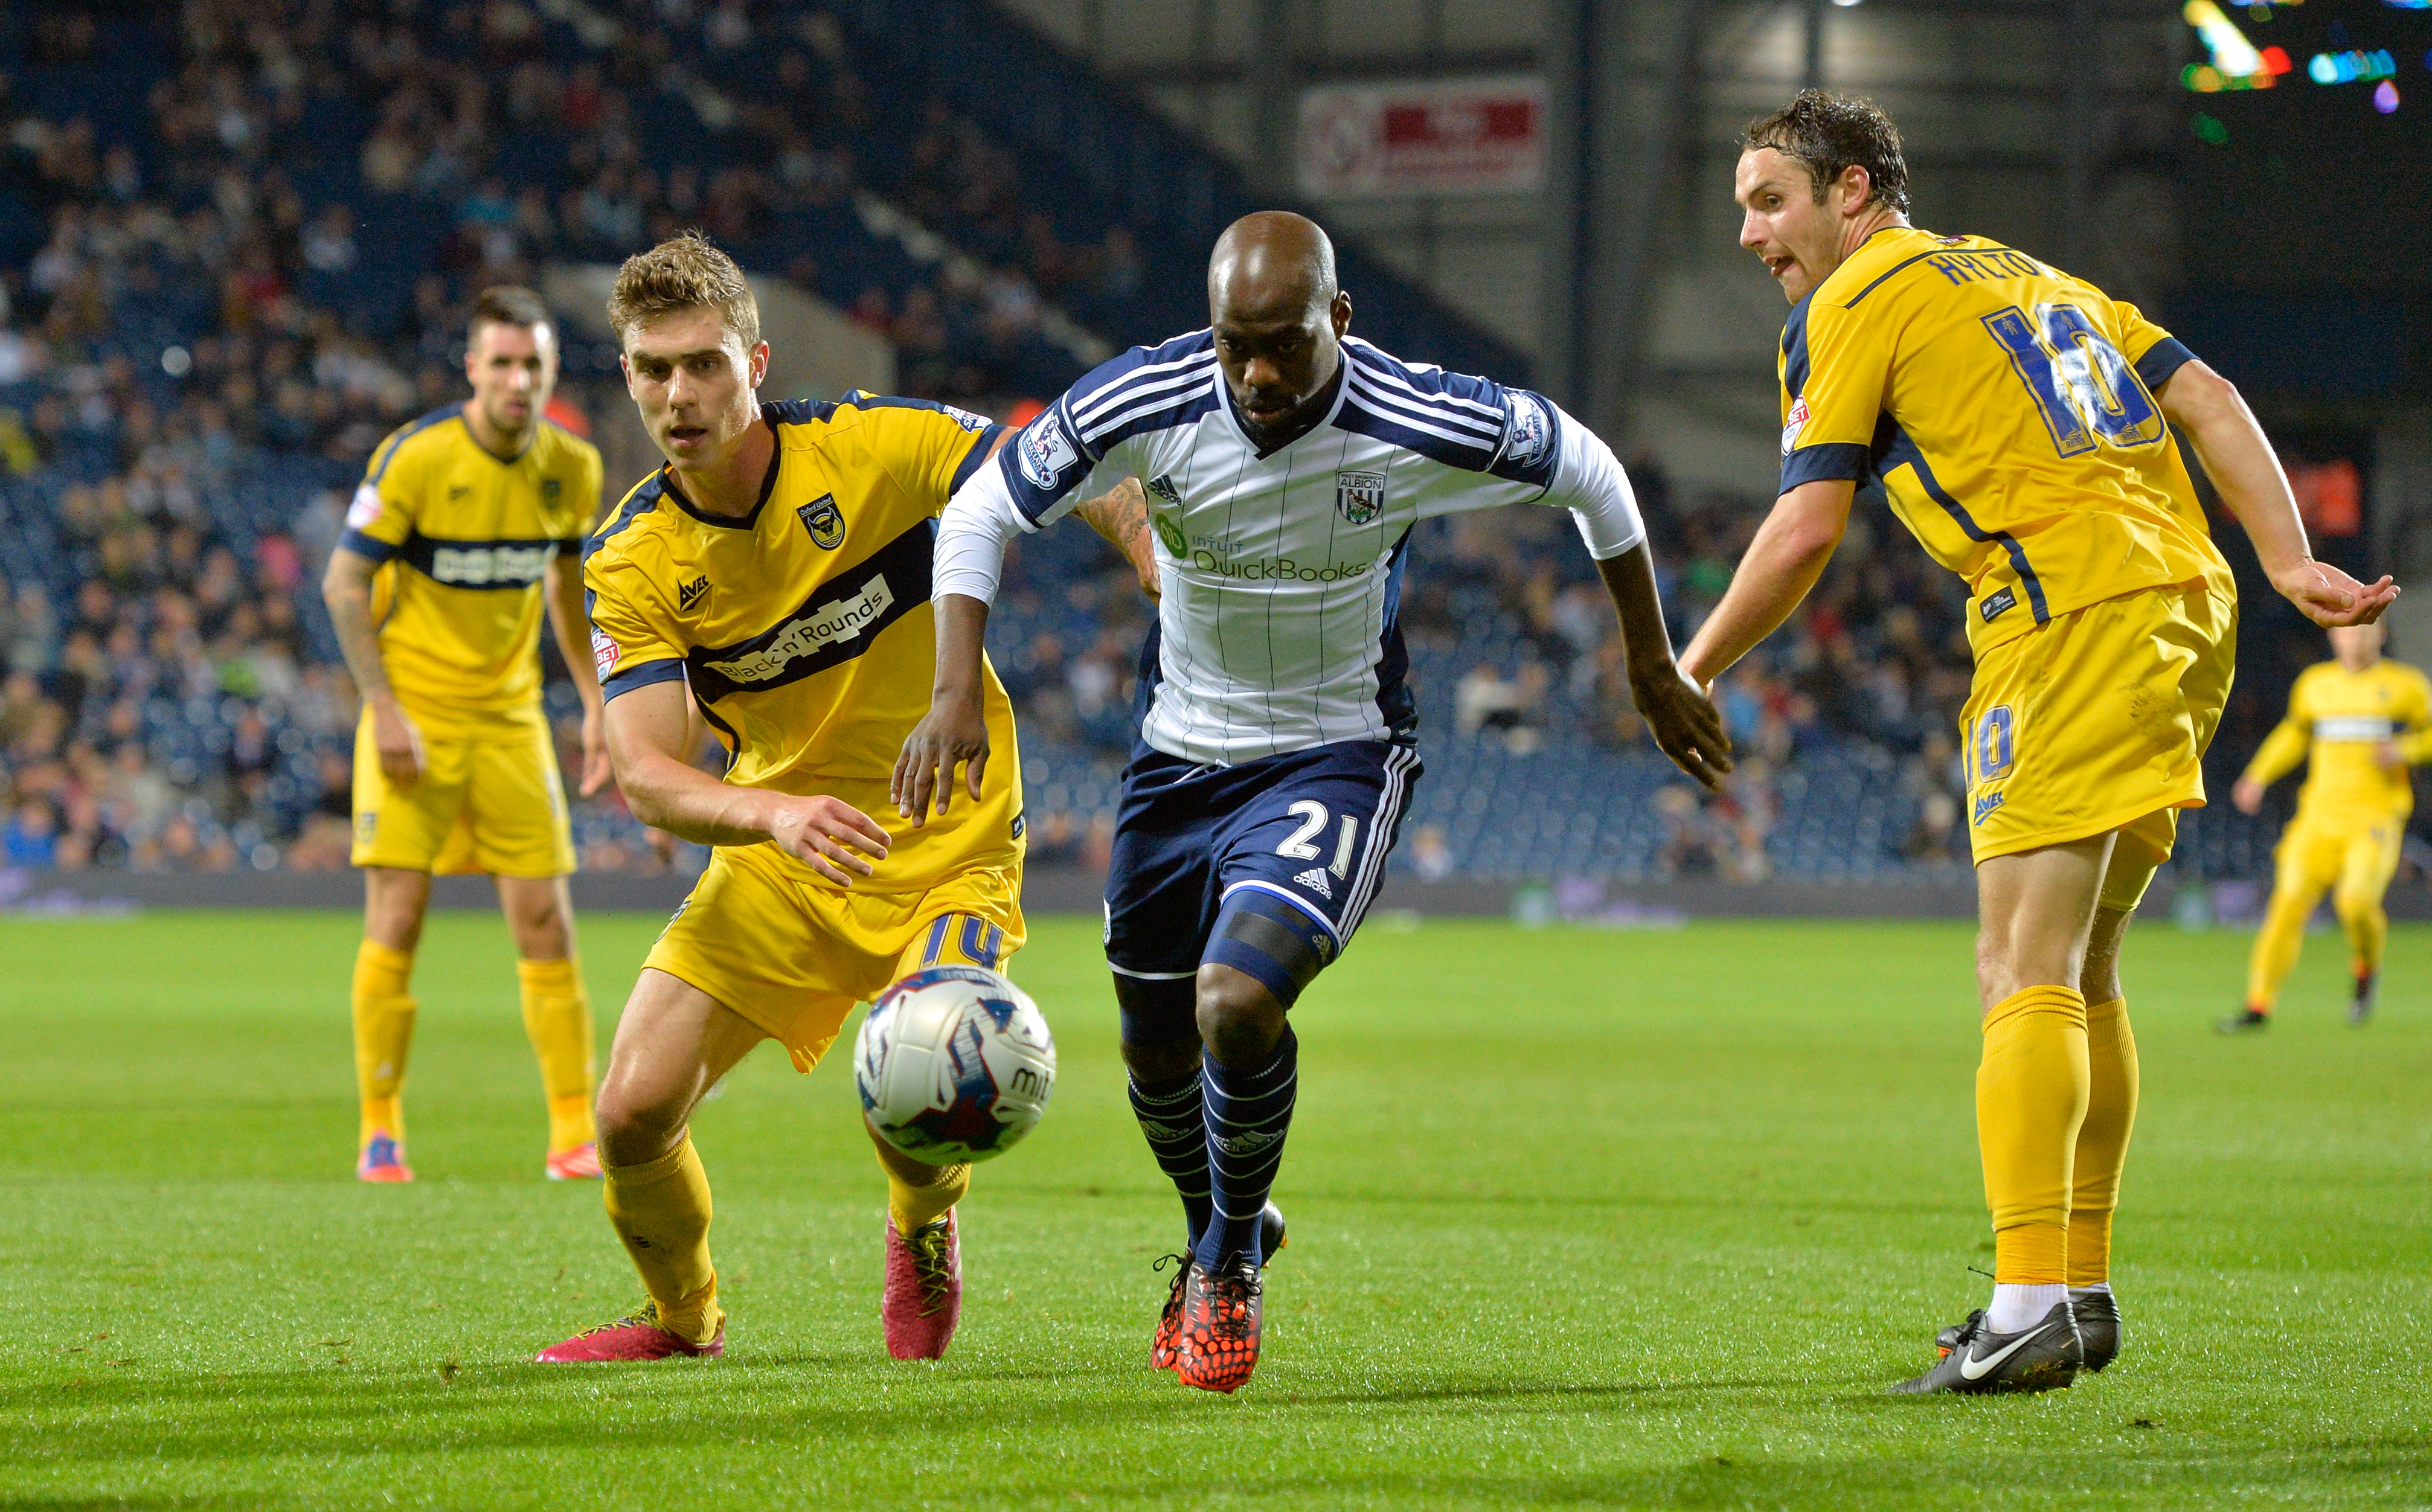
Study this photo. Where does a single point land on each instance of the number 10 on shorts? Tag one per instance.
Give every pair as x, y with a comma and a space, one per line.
1992, 745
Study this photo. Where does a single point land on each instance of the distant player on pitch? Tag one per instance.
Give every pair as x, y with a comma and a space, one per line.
465, 528
774, 578
2360, 723
1286, 463
2020, 421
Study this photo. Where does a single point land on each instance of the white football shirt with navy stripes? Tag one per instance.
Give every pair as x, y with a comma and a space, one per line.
1280, 573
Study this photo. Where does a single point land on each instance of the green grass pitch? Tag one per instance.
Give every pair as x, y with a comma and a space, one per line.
1579, 1220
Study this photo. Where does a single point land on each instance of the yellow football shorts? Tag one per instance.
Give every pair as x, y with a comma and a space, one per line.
493, 805
2358, 853
766, 937
2098, 721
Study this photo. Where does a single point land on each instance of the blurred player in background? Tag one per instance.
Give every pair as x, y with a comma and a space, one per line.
2020, 422
462, 533
773, 579
1286, 463
2360, 723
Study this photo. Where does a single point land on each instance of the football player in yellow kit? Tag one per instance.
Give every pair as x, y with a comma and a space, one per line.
2360, 723
2019, 421
773, 579
463, 532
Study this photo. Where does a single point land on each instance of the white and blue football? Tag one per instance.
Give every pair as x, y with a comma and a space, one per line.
954, 1064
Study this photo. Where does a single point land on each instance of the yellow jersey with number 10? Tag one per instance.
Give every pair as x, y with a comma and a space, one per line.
465, 539
2008, 410
803, 628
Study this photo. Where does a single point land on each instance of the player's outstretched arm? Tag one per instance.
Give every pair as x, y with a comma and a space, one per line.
2211, 413
2281, 754
573, 630
1682, 718
1780, 566
346, 588
647, 729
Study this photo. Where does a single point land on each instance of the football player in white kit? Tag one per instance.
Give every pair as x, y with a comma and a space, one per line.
1284, 465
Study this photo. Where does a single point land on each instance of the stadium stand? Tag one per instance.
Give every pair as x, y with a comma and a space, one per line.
238, 240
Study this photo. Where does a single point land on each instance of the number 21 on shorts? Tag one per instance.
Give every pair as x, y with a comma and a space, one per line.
1313, 817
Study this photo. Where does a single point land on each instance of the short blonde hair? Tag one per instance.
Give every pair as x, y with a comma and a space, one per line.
684, 272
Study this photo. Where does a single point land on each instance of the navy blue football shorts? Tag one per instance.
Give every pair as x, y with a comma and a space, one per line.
1294, 843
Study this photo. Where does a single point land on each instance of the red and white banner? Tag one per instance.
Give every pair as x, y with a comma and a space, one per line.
1480, 136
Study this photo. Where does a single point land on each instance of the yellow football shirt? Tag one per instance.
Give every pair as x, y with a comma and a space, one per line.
803, 628
2008, 410
2336, 721
463, 538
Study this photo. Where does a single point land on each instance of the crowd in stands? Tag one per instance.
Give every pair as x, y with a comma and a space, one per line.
245, 237
245, 243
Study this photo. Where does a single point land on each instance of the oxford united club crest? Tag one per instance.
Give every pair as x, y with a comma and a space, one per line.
1359, 495
824, 521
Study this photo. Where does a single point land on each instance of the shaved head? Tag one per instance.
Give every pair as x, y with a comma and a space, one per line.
1272, 261
1279, 316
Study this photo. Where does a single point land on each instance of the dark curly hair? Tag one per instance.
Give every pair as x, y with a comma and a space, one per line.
1830, 133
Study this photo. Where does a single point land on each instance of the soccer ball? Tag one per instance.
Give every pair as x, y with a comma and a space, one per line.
954, 1064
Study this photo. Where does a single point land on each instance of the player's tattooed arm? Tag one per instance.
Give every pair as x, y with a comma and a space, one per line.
1682, 717
1121, 515
2209, 412
647, 743
346, 588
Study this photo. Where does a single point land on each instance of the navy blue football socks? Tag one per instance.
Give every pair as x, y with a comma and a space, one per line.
1171, 1117
1248, 1112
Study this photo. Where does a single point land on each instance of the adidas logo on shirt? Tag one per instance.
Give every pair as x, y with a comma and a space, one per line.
1314, 880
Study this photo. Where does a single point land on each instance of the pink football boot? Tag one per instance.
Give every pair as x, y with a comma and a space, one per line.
924, 1289
636, 1336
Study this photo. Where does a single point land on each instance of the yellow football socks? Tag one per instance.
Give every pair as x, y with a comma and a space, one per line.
383, 1032
2276, 944
557, 1016
918, 1193
2031, 1096
2368, 927
661, 1211
2102, 1140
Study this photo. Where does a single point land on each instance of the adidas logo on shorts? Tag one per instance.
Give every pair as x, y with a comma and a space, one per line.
1314, 880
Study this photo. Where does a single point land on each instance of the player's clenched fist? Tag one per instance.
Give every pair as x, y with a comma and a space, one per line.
832, 837
954, 731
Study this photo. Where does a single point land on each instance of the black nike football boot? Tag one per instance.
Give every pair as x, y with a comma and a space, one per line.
2361, 1002
2039, 1358
2098, 1325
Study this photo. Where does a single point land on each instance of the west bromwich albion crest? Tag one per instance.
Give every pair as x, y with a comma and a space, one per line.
1359, 495
822, 517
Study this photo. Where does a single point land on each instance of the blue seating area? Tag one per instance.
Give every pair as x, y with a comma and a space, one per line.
220, 347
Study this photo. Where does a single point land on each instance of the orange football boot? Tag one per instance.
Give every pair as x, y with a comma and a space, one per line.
383, 1159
